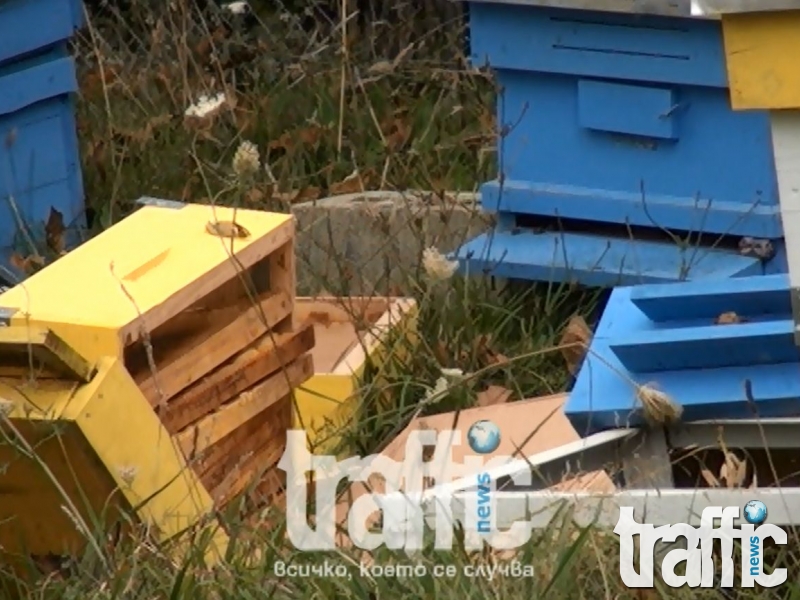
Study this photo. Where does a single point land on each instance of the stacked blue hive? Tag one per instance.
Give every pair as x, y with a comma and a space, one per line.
622, 163
39, 156
620, 124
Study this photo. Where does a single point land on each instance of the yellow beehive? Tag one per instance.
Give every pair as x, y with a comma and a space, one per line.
761, 50
76, 448
165, 349
349, 332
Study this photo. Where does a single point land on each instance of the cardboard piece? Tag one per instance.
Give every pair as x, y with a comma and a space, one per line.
527, 427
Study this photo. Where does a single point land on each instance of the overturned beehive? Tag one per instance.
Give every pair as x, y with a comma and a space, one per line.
166, 347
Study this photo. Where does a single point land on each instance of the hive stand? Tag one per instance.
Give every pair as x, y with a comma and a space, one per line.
743, 374
615, 128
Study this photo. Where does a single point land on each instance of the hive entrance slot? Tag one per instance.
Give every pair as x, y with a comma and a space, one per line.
654, 233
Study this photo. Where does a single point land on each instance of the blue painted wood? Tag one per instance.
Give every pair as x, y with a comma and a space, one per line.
39, 159
614, 46
750, 298
553, 166
708, 347
622, 119
27, 26
692, 214
604, 395
631, 109
595, 260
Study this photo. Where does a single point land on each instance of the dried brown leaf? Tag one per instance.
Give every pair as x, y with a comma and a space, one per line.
27, 264
54, 231
728, 318
306, 194
352, 184
575, 340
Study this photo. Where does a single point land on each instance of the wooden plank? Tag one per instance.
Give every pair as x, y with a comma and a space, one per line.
759, 51
266, 356
270, 424
216, 426
247, 252
283, 272
396, 312
190, 363
627, 109
709, 347
26, 346
328, 309
747, 296
252, 469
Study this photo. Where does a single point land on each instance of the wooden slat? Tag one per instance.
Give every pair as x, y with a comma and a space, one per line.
218, 460
214, 427
197, 358
252, 473
22, 345
328, 309
246, 369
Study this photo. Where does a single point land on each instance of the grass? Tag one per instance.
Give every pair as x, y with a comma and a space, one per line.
331, 108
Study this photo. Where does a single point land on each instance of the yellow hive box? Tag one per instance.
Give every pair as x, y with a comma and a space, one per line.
78, 448
165, 282
761, 51
347, 331
134, 277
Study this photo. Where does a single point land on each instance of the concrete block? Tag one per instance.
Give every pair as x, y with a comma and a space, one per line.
372, 243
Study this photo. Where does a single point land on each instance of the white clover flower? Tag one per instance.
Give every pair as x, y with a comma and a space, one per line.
205, 106
438, 392
247, 160
237, 8
436, 265
453, 373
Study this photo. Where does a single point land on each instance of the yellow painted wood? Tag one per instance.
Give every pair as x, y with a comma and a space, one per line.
139, 273
95, 446
324, 404
22, 346
761, 52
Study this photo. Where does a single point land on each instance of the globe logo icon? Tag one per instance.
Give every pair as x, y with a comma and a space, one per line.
755, 512
483, 437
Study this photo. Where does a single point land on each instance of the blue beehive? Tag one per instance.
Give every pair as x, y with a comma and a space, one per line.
39, 159
722, 349
616, 127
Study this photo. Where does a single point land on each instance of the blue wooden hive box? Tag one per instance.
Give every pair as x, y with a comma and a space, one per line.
620, 159
707, 345
39, 157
